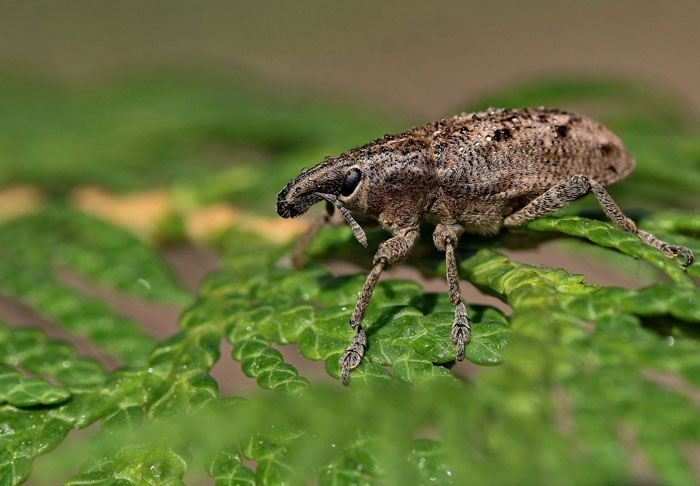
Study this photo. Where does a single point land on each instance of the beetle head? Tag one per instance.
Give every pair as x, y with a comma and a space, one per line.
335, 180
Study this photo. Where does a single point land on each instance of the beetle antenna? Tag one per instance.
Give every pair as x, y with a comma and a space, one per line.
359, 233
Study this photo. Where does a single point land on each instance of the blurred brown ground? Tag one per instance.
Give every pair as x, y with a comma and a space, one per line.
416, 57
420, 60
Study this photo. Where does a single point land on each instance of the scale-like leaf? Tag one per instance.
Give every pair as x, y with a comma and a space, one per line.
19, 391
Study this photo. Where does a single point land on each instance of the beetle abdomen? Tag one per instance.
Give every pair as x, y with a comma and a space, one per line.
517, 152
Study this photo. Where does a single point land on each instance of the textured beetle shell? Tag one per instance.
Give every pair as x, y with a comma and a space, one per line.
469, 170
476, 169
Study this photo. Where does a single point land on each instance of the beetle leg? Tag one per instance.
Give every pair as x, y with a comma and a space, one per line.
445, 239
388, 253
579, 185
329, 217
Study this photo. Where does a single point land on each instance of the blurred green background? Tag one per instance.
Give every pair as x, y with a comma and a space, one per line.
417, 58
142, 144
131, 95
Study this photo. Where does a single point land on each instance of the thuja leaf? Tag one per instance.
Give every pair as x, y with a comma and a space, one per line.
427, 456
228, 470
559, 324
31, 247
19, 391
27, 433
148, 465
31, 349
605, 235
102, 252
259, 360
489, 335
675, 222
14, 469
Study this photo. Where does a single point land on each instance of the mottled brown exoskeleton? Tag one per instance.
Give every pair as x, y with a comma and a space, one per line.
470, 173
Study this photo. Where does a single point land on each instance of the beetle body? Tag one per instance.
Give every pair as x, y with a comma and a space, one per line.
473, 170
491, 164
470, 173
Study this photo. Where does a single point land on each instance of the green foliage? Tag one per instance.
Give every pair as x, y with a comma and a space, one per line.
19, 391
208, 137
604, 235
35, 353
32, 247
574, 384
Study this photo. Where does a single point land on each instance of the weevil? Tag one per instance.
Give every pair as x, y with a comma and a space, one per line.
472, 173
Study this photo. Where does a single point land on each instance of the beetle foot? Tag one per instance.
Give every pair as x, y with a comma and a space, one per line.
353, 355
672, 251
461, 332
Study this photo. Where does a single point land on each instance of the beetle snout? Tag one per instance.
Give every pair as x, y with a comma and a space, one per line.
286, 210
290, 204
284, 207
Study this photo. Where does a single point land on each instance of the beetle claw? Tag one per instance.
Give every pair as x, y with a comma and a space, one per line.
672, 251
353, 355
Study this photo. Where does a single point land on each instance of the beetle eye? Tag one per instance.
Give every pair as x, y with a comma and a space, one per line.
352, 179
